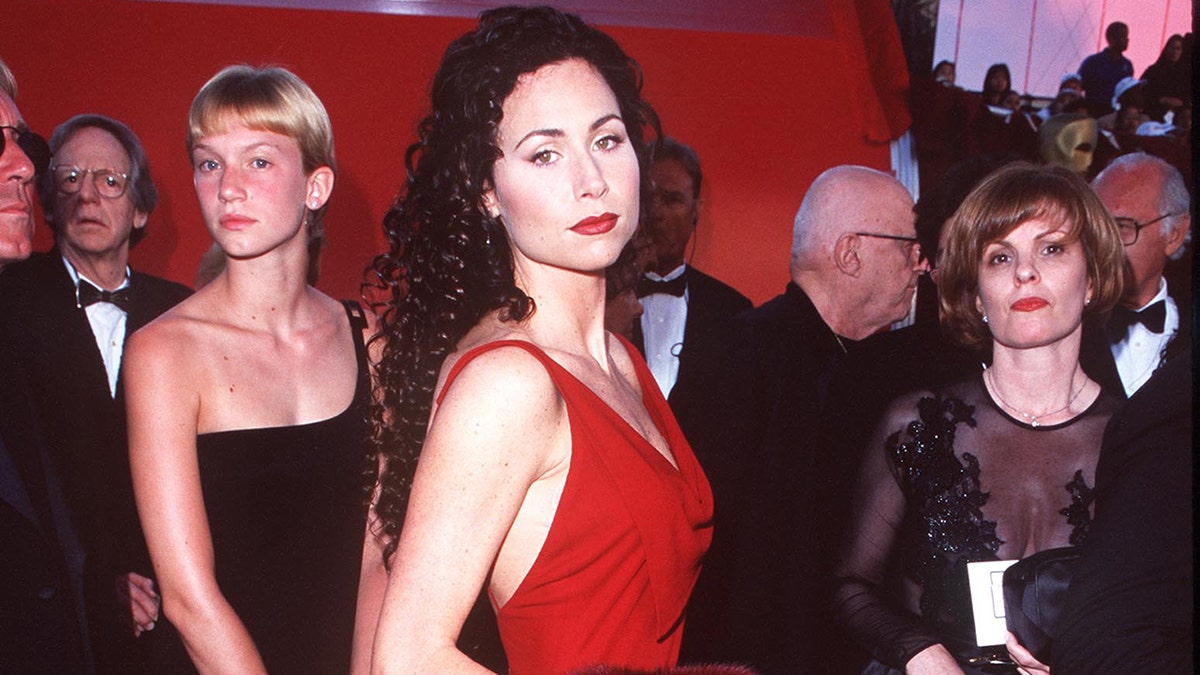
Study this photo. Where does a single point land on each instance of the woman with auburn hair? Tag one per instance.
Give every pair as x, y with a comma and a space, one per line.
550, 467
998, 466
248, 402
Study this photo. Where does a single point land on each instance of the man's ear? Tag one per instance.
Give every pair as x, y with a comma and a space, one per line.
845, 254
139, 219
1177, 236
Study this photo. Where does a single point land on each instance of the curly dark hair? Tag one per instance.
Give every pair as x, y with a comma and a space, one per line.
448, 261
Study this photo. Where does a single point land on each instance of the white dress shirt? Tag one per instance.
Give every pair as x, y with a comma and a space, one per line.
1140, 352
108, 326
664, 317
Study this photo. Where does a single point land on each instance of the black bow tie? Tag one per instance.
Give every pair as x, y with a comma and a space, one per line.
87, 294
1153, 318
646, 286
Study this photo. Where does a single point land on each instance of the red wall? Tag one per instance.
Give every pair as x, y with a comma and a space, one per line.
765, 113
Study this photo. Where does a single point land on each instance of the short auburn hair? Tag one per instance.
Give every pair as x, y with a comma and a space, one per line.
1002, 202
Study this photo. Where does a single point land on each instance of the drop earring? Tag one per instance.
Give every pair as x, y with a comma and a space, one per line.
985, 318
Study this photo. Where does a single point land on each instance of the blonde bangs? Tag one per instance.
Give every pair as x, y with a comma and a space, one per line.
267, 99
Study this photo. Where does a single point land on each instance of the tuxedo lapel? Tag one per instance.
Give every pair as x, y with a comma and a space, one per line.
68, 323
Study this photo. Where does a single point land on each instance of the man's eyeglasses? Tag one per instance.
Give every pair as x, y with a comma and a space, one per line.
108, 183
913, 242
34, 146
1130, 228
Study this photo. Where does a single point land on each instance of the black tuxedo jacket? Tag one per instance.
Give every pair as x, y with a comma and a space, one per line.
750, 402
84, 425
1095, 352
1129, 608
42, 624
710, 303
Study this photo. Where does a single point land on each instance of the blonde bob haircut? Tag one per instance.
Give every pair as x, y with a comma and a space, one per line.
267, 99
1009, 197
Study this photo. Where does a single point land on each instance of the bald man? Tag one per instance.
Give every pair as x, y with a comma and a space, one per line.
752, 408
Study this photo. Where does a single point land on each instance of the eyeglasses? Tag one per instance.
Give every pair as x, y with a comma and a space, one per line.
34, 146
108, 183
913, 242
1130, 228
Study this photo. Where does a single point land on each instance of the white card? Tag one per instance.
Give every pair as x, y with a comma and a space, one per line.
987, 600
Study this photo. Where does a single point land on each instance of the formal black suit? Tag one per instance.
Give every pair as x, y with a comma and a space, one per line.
84, 425
41, 561
710, 303
751, 404
1130, 605
1095, 352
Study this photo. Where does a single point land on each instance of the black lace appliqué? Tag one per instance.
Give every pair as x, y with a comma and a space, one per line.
1079, 514
948, 500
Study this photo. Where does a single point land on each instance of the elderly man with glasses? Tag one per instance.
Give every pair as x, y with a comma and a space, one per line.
1150, 202
71, 310
753, 407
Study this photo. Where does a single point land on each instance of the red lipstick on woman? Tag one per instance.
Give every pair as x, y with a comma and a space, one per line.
1029, 304
593, 225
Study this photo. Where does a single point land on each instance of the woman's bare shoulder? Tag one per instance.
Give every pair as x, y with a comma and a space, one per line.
180, 335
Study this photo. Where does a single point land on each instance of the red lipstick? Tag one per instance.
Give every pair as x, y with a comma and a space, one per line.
593, 225
1029, 304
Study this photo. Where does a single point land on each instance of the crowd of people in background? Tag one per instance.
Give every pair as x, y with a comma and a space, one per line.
551, 444
1121, 113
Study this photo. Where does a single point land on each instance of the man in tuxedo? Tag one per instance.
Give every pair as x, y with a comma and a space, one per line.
1151, 204
70, 310
41, 609
679, 302
752, 405
1130, 604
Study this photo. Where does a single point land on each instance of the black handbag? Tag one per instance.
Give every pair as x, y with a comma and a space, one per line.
1035, 589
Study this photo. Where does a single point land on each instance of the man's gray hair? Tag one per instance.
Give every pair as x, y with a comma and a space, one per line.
8, 83
141, 188
1173, 195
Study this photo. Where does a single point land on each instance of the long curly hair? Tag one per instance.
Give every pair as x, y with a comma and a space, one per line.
448, 261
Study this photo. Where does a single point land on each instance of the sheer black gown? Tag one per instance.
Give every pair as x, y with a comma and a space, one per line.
949, 478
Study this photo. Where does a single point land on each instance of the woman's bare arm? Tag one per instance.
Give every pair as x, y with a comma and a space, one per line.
372, 583
501, 426
163, 406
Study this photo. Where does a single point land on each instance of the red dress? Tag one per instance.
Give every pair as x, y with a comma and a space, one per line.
613, 577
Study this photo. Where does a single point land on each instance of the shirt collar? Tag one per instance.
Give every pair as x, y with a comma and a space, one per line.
1160, 295
76, 276
670, 276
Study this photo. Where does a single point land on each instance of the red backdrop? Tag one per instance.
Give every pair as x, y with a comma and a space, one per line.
766, 113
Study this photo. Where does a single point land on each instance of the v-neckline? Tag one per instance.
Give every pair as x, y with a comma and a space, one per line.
655, 419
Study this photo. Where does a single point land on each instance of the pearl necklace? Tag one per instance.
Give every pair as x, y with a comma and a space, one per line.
1031, 419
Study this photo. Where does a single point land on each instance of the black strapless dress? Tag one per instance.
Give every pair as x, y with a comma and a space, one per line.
286, 507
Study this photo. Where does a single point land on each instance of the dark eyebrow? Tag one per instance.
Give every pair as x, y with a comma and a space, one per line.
559, 133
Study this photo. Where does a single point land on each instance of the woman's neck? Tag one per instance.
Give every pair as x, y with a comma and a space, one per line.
569, 314
1042, 385
269, 292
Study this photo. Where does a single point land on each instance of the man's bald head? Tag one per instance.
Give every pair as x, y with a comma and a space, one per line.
855, 251
843, 199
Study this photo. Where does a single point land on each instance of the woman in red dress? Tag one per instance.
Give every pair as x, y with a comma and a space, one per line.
550, 467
